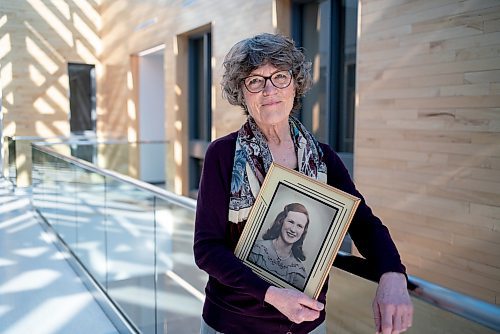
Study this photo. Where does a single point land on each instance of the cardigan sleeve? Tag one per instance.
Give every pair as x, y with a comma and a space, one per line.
212, 248
370, 236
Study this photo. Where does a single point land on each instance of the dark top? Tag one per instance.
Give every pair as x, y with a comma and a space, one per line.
234, 294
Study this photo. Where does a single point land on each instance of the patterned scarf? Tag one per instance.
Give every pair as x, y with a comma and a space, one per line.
253, 158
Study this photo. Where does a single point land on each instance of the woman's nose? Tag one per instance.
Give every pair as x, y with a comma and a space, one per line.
268, 86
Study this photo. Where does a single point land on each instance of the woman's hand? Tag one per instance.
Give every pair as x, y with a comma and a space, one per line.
392, 307
297, 306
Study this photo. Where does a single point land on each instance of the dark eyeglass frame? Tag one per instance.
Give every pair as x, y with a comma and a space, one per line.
270, 78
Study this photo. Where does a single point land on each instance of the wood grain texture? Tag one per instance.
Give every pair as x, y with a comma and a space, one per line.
349, 310
428, 135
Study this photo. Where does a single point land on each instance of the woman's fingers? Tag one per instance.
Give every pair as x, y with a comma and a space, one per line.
295, 305
392, 307
311, 303
305, 314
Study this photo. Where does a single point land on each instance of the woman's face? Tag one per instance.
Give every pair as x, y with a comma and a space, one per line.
272, 105
293, 227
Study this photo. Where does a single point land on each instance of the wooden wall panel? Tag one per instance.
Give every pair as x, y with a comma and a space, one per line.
427, 143
349, 310
37, 40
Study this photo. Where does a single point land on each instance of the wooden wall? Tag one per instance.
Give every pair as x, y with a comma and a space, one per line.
37, 40
427, 135
349, 311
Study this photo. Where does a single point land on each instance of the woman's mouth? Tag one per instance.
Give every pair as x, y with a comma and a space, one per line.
270, 103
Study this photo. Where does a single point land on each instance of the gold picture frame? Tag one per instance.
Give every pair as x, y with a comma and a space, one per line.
329, 212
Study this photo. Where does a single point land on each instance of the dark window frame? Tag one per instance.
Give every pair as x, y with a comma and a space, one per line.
340, 111
199, 104
74, 117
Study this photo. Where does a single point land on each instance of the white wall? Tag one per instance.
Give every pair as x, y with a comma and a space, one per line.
151, 117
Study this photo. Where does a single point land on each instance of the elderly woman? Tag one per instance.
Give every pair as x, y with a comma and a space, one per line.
280, 250
267, 75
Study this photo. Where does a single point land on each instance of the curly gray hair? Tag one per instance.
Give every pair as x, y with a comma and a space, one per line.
251, 53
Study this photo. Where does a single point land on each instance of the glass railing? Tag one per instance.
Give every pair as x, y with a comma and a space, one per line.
17, 152
135, 240
141, 160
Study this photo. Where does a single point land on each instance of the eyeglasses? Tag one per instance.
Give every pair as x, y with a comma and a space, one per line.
256, 83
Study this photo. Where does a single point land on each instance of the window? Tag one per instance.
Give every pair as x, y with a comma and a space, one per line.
82, 99
326, 30
199, 105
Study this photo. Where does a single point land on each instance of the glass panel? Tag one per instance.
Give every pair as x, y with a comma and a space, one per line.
138, 247
180, 283
65, 210
49, 206
143, 161
130, 250
86, 152
152, 163
37, 174
12, 160
118, 157
91, 219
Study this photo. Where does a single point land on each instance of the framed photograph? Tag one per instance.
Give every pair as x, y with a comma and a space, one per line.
295, 230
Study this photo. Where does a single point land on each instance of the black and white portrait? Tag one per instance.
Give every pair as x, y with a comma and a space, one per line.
291, 237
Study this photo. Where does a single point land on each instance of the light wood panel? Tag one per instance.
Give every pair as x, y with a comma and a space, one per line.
38, 39
349, 310
427, 143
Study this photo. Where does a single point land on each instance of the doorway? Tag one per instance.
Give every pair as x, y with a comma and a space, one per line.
152, 115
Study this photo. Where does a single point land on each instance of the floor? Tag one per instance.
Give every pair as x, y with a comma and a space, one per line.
39, 291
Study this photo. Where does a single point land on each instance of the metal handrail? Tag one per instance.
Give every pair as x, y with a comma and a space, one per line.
185, 202
79, 139
467, 307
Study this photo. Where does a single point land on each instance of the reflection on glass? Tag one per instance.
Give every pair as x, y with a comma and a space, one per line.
130, 250
136, 245
91, 221
180, 283
142, 161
